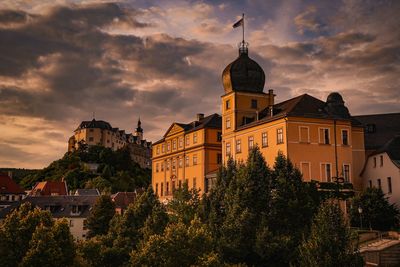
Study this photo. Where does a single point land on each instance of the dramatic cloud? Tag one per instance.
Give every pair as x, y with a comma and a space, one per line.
62, 61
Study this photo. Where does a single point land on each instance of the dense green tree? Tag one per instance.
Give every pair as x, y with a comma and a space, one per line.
330, 242
16, 232
184, 205
377, 212
180, 245
43, 250
102, 212
246, 201
65, 241
292, 206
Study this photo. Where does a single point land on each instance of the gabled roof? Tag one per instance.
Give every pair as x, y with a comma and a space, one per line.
379, 129
87, 192
303, 106
48, 188
8, 186
392, 148
123, 199
212, 121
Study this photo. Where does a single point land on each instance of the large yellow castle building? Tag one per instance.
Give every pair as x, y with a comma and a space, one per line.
188, 153
321, 138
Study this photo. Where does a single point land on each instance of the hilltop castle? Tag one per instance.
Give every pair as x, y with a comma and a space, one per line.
98, 132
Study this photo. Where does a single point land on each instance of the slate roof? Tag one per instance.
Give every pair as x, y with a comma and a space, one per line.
59, 206
392, 148
87, 192
384, 127
95, 124
303, 106
123, 199
8, 186
212, 121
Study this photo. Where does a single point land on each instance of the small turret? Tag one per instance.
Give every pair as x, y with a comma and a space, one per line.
139, 130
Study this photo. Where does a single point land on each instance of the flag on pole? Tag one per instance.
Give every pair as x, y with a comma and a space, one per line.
238, 23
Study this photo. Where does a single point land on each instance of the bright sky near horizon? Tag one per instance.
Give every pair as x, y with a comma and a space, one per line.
62, 60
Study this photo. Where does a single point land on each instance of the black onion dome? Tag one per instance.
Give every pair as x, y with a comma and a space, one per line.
335, 106
243, 74
335, 98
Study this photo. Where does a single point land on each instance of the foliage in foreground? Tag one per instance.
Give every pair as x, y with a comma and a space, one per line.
255, 216
377, 212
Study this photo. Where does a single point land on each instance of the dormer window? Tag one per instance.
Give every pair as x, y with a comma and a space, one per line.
76, 210
254, 103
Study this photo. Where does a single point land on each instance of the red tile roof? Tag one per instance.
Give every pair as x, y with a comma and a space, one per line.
50, 188
123, 199
8, 186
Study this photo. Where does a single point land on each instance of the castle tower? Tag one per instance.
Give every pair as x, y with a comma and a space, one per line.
139, 130
243, 82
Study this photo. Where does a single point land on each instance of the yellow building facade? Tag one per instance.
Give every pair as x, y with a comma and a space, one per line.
188, 153
321, 138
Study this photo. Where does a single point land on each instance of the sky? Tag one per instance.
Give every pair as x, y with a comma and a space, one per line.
61, 61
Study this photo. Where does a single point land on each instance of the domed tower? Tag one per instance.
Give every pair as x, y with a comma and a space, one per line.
335, 106
244, 97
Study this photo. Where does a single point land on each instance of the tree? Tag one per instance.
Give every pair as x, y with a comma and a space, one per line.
292, 207
99, 219
184, 204
377, 212
43, 249
330, 242
179, 245
16, 232
246, 201
65, 241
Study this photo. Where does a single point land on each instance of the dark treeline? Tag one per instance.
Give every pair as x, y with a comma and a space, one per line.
254, 216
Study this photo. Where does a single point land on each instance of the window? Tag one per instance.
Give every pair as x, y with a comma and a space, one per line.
219, 158
76, 210
187, 140
157, 189
251, 142
370, 184
228, 149
254, 103
346, 173
84, 225
326, 172
91, 130
169, 146
374, 162
238, 146
180, 164
305, 170
174, 164
174, 144
381, 160
187, 161
173, 186
228, 123
370, 128
163, 148
167, 165
195, 160
156, 167
279, 136
264, 139
227, 104
304, 134
180, 142
180, 184
91, 139
389, 182
324, 136
194, 138
194, 182
167, 187
219, 136
162, 166
162, 189
71, 223
158, 150
345, 137
379, 184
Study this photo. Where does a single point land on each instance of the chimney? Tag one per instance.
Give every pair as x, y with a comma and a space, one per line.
271, 97
200, 116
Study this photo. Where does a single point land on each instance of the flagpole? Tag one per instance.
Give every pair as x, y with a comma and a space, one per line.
243, 27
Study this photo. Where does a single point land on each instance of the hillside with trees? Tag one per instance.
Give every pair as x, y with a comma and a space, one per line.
115, 171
